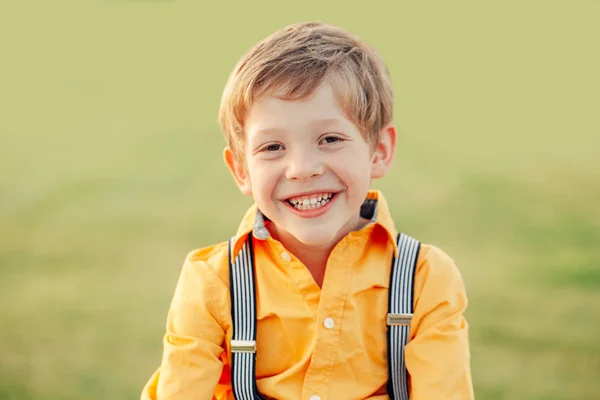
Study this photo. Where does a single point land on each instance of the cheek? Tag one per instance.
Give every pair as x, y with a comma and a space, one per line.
354, 168
264, 178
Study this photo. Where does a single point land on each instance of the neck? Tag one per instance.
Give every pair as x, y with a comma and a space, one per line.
313, 257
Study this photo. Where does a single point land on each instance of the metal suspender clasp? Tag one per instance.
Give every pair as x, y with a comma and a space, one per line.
243, 346
399, 319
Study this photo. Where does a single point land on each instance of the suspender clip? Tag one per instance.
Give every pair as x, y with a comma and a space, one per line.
243, 346
399, 319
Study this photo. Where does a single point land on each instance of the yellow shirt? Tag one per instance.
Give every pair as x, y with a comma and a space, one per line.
297, 356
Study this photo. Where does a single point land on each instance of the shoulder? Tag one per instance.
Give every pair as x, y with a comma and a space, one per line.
434, 260
208, 255
436, 276
210, 264
202, 292
203, 285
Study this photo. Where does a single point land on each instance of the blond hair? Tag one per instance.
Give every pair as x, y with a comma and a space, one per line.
297, 59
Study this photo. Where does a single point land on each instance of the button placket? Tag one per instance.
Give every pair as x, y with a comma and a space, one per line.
329, 319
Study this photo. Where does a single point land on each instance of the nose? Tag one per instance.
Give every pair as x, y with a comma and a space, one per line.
303, 165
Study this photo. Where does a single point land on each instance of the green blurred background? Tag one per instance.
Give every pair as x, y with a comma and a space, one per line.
110, 172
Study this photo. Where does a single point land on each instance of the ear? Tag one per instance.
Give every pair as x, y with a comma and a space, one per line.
238, 171
383, 155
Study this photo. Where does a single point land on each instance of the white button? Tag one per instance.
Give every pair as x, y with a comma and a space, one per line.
315, 397
286, 256
329, 323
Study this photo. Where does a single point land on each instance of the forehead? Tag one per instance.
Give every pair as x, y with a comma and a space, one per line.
273, 111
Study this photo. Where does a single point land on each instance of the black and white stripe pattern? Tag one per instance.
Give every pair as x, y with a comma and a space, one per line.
243, 313
401, 302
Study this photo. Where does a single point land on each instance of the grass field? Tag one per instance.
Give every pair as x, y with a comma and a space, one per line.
110, 172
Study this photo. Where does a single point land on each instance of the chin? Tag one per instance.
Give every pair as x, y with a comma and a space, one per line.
313, 238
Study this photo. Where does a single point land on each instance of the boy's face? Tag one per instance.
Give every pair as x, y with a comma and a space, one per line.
308, 167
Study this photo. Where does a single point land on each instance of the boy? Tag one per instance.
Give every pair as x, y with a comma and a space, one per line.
303, 302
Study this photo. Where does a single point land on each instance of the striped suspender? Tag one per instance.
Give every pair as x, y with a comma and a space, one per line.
400, 314
243, 314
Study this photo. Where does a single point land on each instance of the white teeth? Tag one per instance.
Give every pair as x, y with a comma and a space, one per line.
312, 202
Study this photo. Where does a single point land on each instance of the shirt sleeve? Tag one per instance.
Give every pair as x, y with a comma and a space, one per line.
437, 356
193, 354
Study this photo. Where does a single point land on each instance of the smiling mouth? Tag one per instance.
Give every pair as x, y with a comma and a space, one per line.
311, 202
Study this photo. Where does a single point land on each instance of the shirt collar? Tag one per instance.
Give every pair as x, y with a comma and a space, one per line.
374, 208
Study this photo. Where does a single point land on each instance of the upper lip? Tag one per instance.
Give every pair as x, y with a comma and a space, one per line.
309, 193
